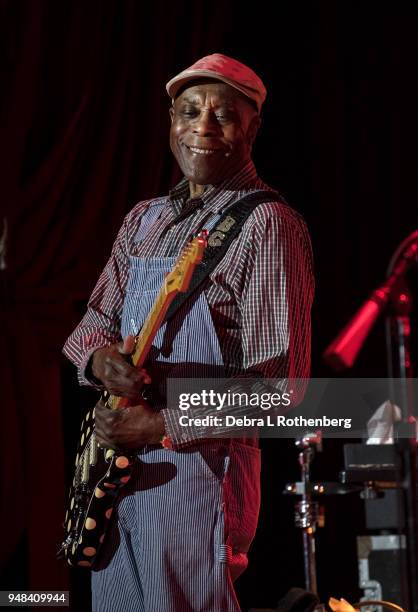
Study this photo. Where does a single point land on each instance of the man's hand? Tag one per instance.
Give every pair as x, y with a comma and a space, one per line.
119, 377
128, 428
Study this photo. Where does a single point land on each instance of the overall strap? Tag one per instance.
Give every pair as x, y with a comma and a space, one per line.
220, 238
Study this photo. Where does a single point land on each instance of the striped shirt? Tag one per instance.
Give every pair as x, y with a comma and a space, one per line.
259, 295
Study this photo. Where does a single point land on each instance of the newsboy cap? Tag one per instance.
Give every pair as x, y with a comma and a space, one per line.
222, 68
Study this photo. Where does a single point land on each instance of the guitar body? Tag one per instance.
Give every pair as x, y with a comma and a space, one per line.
101, 473
91, 502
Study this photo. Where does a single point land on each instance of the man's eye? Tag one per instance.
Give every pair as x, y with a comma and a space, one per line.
225, 116
189, 112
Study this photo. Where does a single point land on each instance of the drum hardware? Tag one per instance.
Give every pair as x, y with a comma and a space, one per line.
307, 512
308, 515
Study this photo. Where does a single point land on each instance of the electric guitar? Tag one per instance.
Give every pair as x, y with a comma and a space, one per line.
101, 473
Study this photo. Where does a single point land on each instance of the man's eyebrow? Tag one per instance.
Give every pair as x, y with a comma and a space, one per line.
225, 104
190, 100
197, 100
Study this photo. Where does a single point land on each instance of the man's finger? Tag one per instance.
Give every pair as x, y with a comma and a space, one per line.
128, 345
129, 373
120, 366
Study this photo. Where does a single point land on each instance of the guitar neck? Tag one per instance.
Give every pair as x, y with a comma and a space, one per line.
177, 280
145, 338
150, 327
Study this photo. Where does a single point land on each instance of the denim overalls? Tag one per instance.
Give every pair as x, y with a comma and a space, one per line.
186, 519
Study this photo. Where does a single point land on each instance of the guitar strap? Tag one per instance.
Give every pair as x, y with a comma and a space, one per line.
219, 240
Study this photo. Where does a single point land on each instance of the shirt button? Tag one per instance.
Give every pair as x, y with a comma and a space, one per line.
184, 436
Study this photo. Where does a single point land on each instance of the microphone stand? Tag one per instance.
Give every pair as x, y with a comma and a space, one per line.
342, 352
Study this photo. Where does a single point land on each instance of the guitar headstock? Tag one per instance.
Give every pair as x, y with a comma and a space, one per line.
179, 278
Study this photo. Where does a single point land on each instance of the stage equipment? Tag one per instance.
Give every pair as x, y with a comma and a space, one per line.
342, 352
380, 562
394, 297
307, 510
385, 604
367, 606
383, 559
368, 470
307, 514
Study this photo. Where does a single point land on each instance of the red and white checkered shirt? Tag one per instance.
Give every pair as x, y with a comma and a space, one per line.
260, 294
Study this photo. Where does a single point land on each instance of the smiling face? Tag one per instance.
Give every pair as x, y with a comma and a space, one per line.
213, 127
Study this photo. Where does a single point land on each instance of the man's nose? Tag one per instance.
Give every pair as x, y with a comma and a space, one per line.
206, 124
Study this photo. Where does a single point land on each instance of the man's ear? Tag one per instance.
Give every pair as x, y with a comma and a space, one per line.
171, 112
253, 129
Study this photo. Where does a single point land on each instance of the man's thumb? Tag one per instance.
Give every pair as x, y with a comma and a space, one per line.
128, 345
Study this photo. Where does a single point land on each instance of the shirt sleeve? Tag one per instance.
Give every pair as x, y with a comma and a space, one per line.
277, 296
275, 300
100, 325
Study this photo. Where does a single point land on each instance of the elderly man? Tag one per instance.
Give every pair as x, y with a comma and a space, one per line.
187, 517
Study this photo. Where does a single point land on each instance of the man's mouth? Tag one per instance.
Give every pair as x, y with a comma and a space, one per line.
203, 151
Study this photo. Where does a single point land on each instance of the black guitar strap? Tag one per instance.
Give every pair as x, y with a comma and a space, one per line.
220, 238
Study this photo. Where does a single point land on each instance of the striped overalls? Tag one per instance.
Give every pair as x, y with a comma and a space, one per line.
186, 519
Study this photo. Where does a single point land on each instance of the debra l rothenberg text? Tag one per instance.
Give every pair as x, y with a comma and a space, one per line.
230, 420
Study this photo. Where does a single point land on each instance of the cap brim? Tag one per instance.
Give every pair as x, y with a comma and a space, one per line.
177, 82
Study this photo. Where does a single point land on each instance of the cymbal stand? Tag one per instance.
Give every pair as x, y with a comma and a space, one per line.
307, 510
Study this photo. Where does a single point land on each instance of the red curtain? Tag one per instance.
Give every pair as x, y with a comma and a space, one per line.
84, 135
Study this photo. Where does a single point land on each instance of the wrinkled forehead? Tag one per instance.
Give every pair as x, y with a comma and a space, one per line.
214, 92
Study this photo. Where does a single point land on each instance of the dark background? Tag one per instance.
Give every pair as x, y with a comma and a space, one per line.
84, 136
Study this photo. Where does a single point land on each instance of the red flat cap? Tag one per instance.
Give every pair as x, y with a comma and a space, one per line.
226, 69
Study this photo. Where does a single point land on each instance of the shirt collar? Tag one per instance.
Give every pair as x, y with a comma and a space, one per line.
244, 179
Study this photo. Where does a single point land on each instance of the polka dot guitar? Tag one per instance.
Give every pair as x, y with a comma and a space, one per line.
101, 473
